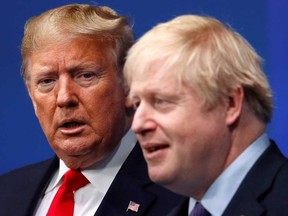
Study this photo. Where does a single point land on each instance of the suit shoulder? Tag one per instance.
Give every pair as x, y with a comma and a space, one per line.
23, 174
281, 178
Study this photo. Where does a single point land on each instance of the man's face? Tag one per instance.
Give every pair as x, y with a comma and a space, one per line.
78, 99
184, 144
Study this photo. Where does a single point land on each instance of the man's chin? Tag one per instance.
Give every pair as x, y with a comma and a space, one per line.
159, 177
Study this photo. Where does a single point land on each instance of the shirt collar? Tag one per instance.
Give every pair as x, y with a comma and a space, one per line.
101, 174
220, 193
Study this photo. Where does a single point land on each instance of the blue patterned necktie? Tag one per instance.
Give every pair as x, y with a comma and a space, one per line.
199, 210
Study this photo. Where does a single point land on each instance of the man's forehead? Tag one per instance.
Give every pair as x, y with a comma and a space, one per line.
157, 82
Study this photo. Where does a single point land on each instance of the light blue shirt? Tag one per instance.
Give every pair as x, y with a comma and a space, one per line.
220, 193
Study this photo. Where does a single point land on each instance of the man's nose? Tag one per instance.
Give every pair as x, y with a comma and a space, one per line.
143, 120
67, 92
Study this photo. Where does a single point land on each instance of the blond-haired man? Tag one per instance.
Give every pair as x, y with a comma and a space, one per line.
202, 104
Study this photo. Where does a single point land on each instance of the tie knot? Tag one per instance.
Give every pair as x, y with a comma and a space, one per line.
199, 210
73, 180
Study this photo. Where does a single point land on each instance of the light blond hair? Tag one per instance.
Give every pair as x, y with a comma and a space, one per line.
64, 23
207, 55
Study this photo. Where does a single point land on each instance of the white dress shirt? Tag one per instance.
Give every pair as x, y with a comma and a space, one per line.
100, 175
220, 193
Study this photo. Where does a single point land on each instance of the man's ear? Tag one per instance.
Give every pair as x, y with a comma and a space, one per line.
234, 105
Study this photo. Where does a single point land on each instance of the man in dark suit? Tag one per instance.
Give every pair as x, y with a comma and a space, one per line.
202, 104
72, 66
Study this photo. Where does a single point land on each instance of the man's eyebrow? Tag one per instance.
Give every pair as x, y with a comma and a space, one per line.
43, 69
85, 65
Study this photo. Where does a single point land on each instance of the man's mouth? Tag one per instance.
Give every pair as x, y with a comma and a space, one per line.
72, 127
155, 152
156, 148
71, 124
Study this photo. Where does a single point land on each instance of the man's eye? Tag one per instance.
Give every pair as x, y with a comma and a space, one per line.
46, 84
136, 104
160, 102
86, 76
45, 81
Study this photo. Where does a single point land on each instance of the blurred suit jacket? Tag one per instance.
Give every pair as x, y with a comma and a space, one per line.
21, 190
264, 191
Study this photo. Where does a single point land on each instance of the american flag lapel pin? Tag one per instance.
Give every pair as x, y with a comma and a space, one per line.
133, 206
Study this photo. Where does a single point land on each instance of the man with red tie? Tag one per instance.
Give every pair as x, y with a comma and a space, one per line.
72, 66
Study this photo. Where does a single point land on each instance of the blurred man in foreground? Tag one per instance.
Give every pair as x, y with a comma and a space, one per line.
202, 105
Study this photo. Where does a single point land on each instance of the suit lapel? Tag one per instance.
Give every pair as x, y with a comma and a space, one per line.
130, 184
117, 199
244, 204
256, 183
180, 210
40, 182
34, 179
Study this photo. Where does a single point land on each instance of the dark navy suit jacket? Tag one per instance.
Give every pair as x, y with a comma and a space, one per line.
21, 190
264, 191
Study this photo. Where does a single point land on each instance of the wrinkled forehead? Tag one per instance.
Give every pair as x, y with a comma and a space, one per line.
101, 46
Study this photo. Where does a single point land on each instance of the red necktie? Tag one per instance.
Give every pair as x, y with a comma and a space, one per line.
63, 202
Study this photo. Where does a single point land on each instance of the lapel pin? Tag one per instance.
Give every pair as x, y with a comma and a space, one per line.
133, 206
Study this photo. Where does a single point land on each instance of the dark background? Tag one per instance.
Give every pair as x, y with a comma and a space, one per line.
262, 22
